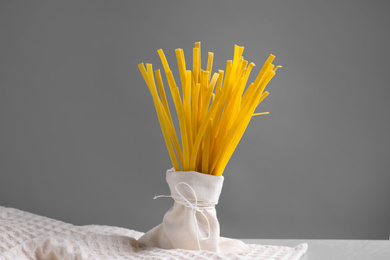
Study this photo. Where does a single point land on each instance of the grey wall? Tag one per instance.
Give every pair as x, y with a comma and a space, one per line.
80, 141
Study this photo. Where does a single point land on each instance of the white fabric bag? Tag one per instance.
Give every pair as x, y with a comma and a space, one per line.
192, 222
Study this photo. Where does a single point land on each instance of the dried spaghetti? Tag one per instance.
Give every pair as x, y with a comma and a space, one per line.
213, 110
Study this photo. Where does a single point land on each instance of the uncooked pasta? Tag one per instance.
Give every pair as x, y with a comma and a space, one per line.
213, 110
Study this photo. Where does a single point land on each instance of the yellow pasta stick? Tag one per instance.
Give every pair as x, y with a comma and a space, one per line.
213, 81
182, 69
187, 111
141, 67
195, 110
163, 60
210, 59
173, 136
219, 82
182, 121
277, 67
183, 130
239, 70
163, 96
171, 127
166, 138
262, 113
227, 75
204, 79
196, 64
206, 148
152, 84
205, 99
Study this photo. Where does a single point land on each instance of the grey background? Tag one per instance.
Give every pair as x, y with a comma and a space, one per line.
80, 141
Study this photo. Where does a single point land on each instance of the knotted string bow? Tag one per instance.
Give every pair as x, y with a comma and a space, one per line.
195, 206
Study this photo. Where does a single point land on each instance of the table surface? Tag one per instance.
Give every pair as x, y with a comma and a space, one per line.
334, 249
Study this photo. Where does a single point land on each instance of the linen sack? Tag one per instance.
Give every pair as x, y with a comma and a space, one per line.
192, 222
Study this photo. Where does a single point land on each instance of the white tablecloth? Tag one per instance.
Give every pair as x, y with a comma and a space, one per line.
28, 236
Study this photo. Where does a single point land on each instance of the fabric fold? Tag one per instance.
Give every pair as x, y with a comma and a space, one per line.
192, 221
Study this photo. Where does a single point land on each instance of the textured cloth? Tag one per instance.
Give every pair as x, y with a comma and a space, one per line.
28, 236
192, 222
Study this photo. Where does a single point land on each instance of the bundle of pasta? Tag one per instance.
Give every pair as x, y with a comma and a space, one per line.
213, 114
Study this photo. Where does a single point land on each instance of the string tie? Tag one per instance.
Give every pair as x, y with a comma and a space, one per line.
195, 206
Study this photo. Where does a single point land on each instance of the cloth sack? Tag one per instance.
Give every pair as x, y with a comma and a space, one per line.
192, 222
